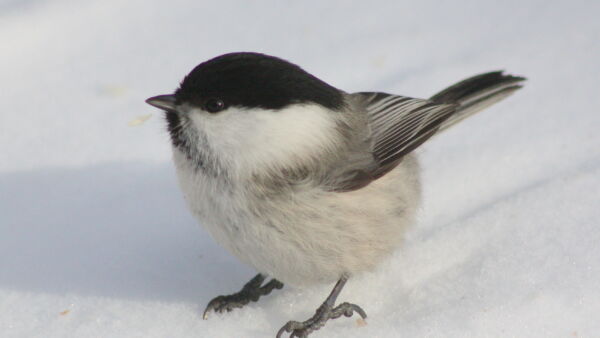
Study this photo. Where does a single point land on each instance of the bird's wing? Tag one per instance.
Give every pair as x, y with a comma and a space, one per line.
397, 125
400, 124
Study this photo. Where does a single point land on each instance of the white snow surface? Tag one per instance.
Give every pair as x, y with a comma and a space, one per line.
95, 240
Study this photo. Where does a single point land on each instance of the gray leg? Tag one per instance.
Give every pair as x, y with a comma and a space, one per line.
251, 292
325, 312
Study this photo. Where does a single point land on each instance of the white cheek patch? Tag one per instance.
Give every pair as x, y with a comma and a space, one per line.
252, 139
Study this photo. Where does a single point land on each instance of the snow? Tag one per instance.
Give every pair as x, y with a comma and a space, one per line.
95, 240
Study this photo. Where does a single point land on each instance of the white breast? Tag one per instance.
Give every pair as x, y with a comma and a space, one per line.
314, 236
300, 237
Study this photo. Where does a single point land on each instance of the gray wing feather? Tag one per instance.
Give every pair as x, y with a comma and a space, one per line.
398, 124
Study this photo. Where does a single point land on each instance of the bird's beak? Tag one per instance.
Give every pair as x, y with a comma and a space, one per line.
166, 102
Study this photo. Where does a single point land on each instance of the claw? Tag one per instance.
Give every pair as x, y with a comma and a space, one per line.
324, 313
218, 304
251, 292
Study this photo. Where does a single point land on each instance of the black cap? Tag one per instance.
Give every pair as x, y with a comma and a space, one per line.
255, 80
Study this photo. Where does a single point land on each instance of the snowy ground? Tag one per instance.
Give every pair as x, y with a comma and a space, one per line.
95, 240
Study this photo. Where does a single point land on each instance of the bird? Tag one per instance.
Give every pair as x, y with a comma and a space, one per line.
305, 182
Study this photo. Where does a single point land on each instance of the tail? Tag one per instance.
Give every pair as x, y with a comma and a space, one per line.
476, 93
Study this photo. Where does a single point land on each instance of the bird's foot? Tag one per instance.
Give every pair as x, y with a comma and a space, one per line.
251, 292
322, 315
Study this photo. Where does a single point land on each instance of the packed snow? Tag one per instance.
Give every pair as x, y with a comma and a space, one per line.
95, 239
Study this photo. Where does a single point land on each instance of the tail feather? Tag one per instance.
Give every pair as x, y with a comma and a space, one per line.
476, 93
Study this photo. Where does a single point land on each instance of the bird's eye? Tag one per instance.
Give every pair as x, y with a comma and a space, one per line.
214, 105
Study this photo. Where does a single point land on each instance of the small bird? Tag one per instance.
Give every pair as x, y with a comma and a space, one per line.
305, 182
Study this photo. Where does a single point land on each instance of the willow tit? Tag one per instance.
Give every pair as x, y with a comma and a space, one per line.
305, 182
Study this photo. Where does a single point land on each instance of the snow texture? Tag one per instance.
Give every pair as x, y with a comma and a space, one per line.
95, 240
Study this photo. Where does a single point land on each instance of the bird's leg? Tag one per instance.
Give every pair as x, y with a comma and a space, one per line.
325, 312
251, 292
